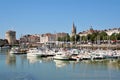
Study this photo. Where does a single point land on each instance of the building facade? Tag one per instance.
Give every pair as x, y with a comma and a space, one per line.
111, 31
47, 38
61, 35
30, 39
85, 33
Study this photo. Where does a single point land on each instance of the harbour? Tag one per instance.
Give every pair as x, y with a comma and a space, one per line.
60, 40
23, 67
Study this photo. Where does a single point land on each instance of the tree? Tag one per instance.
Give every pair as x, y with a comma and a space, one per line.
59, 39
103, 35
72, 38
77, 37
118, 36
113, 36
84, 38
65, 38
94, 36
89, 37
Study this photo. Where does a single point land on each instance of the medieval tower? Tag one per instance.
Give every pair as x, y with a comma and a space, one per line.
11, 37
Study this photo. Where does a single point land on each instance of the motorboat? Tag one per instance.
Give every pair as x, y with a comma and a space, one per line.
17, 50
35, 52
61, 55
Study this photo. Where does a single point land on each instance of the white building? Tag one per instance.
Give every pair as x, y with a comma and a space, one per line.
85, 33
111, 31
47, 38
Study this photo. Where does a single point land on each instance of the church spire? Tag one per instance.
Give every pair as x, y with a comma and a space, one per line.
73, 30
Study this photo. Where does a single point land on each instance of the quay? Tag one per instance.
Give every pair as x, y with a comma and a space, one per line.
102, 46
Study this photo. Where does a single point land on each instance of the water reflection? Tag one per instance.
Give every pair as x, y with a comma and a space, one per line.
21, 76
11, 59
4, 51
61, 63
114, 64
36, 68
109, 63
34, 59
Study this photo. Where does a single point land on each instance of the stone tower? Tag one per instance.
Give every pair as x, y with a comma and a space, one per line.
11, 37
73, 33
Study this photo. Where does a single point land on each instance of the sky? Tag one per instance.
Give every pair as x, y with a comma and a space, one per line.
52, 16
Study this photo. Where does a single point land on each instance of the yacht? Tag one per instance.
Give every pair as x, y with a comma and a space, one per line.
61, 55
17, 50
35, 52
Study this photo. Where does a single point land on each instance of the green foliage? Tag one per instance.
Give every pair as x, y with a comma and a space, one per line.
113, 36
91, 37
95, 36
75, 38
118, 36
84, 38
59, 39
65, 38
103, 35
72, 38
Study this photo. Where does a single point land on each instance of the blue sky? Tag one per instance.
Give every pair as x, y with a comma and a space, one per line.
42, 16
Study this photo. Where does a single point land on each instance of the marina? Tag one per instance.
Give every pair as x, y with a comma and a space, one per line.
60, 40
23, 67
68, 53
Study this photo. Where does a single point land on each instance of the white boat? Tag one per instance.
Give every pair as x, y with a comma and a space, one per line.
97, 56
34, 52
114, 54
75, 51
17, 50
49, 52
85, 56
13, 51
61, 55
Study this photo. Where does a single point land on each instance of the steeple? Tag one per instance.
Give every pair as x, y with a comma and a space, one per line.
73, 30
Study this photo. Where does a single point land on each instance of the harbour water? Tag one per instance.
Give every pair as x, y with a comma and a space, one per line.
21, 67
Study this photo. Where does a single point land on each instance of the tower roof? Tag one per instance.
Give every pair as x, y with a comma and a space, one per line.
73, 28
73, 32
